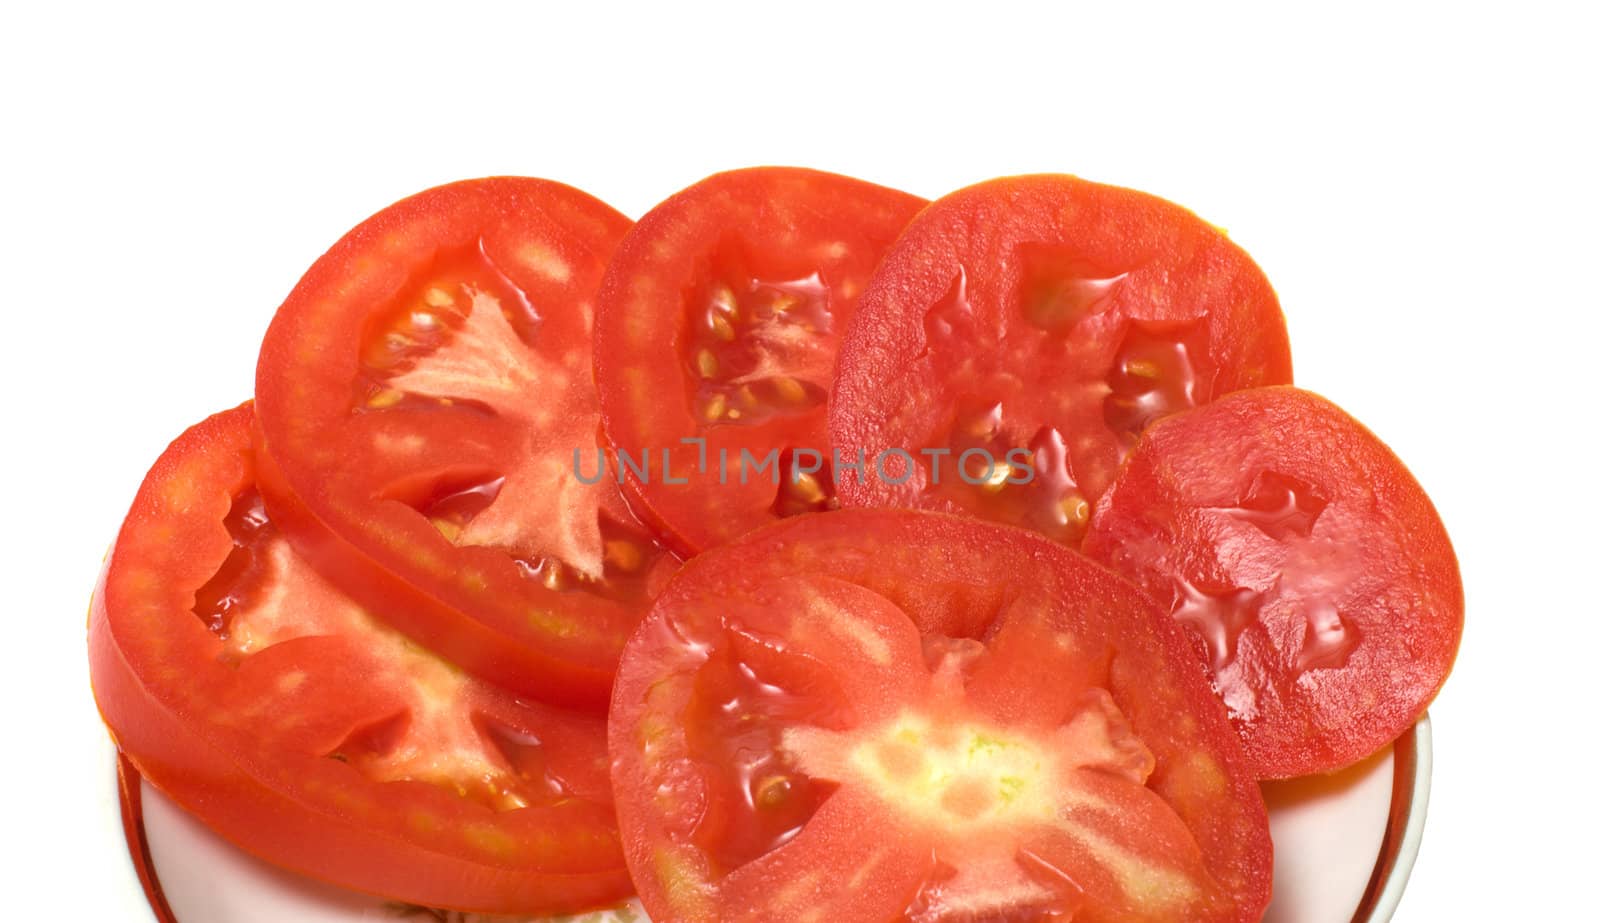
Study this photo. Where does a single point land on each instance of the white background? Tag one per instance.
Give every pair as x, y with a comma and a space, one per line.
1420, 186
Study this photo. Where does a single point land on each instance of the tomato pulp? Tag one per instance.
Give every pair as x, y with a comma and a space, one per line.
290, 720
875, 715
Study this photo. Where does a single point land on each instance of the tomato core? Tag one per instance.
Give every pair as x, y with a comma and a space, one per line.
746, 352
436, 306
1060, 288
1153, 375
237, 583
735, 720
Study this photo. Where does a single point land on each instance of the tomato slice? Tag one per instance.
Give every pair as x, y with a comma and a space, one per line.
1022, 332
426, 403
876, 715
715, 338
299, 726
1308, 565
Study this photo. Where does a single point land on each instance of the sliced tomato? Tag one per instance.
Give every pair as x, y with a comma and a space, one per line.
879, 715
1309, 567
298, 725
715, 339
1022, 332
426, 403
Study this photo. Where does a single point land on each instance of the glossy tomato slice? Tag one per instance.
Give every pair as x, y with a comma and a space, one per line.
881, 715
1305, 560
302, 728
425, 398
1022, 332
715, 339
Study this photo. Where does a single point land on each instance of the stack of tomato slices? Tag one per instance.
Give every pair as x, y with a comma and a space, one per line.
804, 551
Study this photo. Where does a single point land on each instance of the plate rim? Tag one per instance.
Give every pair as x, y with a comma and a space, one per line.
1408, 815
1397, 856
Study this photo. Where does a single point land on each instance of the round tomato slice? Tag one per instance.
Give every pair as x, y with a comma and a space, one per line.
1022, 332
299, 726
426, 402
1305, 560
879, 715
715, 338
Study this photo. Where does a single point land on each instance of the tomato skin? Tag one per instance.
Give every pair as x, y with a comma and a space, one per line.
951, 576
1050, 315
759, 230
335, 465
173, 704
1277, 497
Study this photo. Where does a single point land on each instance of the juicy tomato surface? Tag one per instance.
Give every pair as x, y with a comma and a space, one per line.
290, 720
1043, 320
1307, 563
425, 396
883, 715
718, 322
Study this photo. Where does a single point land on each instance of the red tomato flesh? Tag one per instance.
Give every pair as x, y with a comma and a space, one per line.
1308, 565
718, 321
1043, 320
424, 397
302, 728
879, 715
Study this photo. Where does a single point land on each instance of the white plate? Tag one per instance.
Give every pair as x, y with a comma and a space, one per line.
1344, 845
